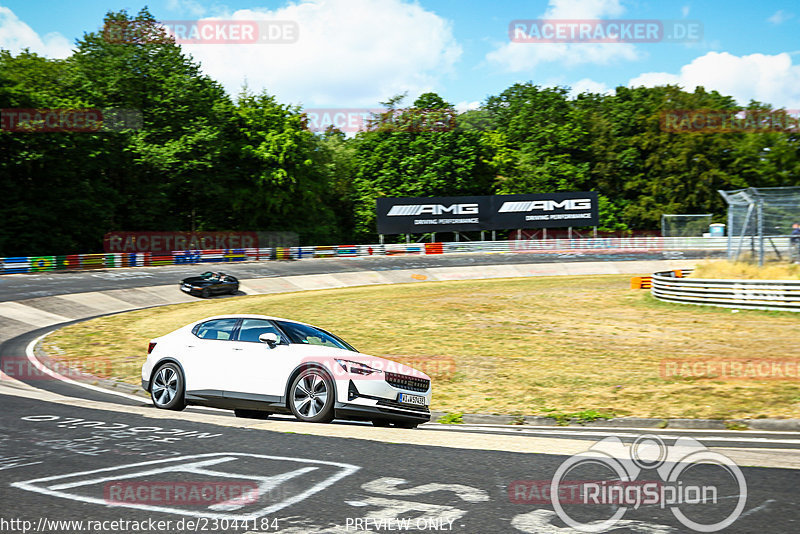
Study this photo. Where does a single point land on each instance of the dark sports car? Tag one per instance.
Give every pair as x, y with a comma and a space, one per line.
210, 283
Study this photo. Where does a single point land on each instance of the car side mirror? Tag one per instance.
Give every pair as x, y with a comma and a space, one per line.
270, 338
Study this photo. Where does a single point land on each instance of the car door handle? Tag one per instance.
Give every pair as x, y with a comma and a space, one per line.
236, 348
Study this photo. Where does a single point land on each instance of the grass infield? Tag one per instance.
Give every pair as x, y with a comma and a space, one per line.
585, 346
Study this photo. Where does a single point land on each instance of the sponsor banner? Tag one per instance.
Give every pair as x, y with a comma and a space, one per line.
164, 242
548, 210
412, 215
415, 215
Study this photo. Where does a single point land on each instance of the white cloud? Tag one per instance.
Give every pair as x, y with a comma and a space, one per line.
349, 53
15, 35
464, 106
519, 57
766, 78
779, 17
587, 85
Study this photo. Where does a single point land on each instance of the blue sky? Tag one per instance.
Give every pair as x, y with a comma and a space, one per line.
356, 53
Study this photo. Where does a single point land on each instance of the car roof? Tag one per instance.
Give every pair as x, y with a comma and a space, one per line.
250, 316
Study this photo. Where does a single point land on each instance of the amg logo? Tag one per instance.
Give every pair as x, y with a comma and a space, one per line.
433, 209
546, 205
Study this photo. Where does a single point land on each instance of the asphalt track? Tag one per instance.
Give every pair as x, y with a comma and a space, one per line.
25, 286
321, 478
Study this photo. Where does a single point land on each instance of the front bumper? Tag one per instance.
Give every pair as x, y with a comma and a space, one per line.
368, 413
190, 290
379, 401
146, 385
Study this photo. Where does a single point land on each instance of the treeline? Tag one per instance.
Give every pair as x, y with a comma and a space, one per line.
205, 161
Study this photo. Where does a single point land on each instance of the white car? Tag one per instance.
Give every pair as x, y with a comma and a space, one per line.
258, 365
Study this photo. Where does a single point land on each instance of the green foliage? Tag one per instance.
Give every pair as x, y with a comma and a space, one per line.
204, 161
452, 419
581, 418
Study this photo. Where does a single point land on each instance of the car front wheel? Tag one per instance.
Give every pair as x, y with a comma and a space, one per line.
312, 396
168, 387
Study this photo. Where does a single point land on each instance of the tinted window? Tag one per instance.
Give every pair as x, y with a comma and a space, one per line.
309, 335
216, 329
251, 329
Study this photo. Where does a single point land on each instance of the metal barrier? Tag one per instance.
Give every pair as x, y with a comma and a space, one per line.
25, 264
781, 295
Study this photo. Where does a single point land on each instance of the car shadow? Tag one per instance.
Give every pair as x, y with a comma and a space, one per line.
223, 296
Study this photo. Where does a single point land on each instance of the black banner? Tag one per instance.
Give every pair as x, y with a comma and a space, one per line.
548, 210
419, 215
416, 215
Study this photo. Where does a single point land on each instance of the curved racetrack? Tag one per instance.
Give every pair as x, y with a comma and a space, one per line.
60, 444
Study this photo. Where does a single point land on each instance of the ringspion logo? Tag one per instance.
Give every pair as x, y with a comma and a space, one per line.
703, 489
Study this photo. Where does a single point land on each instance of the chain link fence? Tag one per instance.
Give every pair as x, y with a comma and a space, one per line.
759, 222
686, 225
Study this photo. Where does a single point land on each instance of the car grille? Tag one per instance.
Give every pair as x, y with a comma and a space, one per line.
411, 383
410, 407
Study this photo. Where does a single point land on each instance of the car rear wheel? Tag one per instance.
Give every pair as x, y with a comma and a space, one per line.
312, 396
167, 388
251, 414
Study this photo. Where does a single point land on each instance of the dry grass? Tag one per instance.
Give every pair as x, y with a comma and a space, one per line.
749, 271
522, 346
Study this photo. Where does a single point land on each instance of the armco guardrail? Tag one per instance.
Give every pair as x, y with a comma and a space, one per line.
744, 294
32, 264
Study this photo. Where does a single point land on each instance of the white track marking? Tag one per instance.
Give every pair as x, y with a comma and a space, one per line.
39, 485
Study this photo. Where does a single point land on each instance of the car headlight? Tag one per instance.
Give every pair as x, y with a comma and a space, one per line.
357, 368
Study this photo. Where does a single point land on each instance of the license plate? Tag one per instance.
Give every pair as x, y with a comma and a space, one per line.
184, 288
412, 399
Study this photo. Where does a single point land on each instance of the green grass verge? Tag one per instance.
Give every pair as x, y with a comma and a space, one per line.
571, 347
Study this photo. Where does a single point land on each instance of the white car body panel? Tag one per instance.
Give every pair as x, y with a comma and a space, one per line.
222, 371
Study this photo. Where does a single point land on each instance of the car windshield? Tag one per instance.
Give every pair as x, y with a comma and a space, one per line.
310, 335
